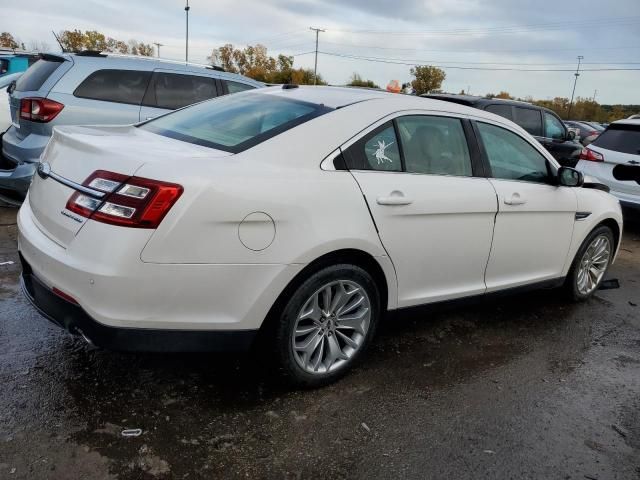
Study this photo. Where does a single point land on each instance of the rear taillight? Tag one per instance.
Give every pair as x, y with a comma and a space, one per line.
590, 155
40, 110
129, 201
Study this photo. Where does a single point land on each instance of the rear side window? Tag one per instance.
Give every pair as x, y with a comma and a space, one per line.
529, 119
234, 123
172, 91
4, 66
502, 110
434, 145
36, 75
235, 87
121, 86
620, 138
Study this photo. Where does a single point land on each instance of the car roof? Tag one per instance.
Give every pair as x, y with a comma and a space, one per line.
130, 61
627, 121
339, 97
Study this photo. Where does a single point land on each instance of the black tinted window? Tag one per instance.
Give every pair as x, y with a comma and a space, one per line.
529, 119
502, 110
620, 138
235, 87
36, 75
4, 66
122, 86
172, 91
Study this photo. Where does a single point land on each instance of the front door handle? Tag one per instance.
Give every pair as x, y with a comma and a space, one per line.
515, 199
394, 198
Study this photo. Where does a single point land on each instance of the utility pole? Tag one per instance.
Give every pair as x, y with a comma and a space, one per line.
186, 45
577, 74
315, 68
158, 44
595, 92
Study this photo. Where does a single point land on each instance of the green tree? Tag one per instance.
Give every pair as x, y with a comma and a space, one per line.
8, 41
427, 78
357, 81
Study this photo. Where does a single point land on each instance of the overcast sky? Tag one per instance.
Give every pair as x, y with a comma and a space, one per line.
450, 33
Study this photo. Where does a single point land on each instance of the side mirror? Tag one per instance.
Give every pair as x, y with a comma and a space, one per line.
571, 135
11, 87
570, 177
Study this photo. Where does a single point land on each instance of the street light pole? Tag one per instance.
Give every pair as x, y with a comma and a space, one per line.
158, 44
577, 74
315, 68
186, 46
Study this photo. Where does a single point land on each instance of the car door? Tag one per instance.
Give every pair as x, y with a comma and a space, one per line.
170, 90
433, 210
535, 217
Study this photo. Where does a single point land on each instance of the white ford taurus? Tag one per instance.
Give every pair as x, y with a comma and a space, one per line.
302, 213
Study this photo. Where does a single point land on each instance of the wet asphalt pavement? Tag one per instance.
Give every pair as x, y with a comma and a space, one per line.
529, 386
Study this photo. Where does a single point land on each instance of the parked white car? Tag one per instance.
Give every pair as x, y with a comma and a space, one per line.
303, 213
614, 158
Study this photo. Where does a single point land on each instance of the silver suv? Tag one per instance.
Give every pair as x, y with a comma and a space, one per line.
95, 88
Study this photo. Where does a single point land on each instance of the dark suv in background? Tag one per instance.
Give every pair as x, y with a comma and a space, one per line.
540, 122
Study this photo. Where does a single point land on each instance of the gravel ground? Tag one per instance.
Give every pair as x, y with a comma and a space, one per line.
528, 386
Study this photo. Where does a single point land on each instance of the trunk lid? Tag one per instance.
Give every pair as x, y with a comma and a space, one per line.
74, 153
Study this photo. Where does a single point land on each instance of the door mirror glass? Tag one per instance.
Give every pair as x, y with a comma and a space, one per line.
570, 177
571, 135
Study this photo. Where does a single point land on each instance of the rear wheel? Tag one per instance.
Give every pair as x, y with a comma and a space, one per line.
327, 324
591, 263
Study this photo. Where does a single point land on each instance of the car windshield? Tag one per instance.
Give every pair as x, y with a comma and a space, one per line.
235, 122
624, 138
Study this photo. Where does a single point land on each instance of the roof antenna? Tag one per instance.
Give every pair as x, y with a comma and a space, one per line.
58, 40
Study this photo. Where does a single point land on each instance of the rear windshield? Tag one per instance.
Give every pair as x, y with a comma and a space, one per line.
620, 138
234, 123
36, 75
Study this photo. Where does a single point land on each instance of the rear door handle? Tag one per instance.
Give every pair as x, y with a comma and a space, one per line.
394, 198
515, 199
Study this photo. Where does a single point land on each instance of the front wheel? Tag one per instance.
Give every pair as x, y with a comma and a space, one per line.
591, 263
327, 324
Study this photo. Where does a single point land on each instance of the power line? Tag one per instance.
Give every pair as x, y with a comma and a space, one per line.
602, 22
418, 62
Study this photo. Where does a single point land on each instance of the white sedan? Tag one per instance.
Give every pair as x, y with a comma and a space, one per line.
303, 214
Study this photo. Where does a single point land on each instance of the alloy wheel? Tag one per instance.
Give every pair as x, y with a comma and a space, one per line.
331, 326
593, 264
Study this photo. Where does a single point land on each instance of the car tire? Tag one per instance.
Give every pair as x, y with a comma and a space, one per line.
326, 325
578, 286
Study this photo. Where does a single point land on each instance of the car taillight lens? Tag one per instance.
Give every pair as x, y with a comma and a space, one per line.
591, 156
40, 110
129, 201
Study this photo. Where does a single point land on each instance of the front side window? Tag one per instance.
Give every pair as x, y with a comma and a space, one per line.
235, 87
379, 150
529, 119
553, 127
511, 157
121, 86
173, 91
434, 145
234, 123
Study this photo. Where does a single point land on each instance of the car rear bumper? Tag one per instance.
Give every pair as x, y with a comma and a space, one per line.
74, 319
20, 158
